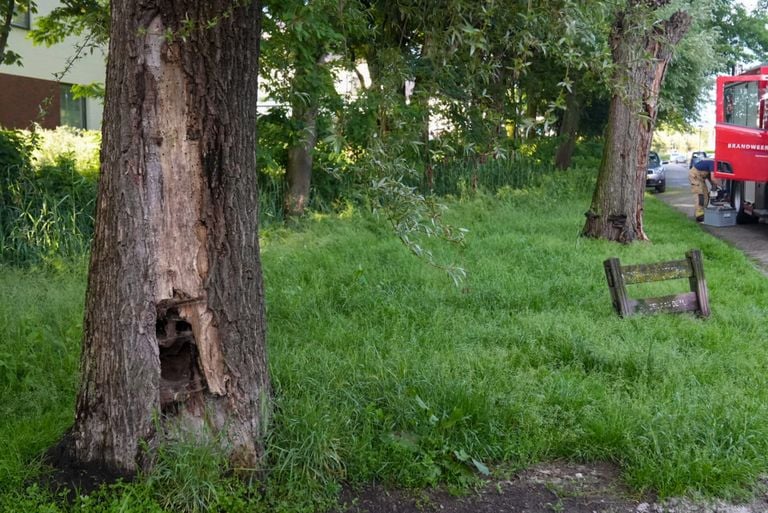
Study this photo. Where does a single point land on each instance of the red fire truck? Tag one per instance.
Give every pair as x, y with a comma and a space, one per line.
741, 141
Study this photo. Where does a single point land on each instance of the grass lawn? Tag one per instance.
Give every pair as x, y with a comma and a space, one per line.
383, 370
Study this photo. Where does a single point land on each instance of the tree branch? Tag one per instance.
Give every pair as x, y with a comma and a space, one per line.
6, 28
676, 26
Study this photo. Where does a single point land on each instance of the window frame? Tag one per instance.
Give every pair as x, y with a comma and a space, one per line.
26, 23
67, 88
743, 104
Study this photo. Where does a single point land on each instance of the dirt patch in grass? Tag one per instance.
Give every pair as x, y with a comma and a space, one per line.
75, 478
548, 488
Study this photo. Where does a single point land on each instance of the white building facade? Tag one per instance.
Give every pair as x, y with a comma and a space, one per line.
39, 91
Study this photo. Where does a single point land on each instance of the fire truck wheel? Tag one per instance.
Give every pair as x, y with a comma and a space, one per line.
736, 193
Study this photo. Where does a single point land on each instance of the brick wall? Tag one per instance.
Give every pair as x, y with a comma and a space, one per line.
22, 99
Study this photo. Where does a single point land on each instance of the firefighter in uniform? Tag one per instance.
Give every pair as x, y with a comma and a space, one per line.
698, 175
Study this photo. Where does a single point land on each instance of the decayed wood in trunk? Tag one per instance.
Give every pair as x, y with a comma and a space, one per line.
174, 323
641, 56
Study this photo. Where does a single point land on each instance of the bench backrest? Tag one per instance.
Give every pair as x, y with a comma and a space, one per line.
697, 300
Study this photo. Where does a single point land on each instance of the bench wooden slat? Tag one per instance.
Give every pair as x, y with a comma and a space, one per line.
643, 273
676, 303
698, 281
617, 286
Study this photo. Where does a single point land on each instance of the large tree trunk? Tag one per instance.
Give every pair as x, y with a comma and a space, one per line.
640, 55
174, 323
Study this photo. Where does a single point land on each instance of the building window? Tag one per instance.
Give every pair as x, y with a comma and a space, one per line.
20, 17
72, 109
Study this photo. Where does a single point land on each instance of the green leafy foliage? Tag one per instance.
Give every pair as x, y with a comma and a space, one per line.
8, 10
89, 18
383, 371
49, 190
92, 90
15, 156
81, 147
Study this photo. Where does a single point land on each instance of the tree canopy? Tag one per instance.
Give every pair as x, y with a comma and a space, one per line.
479, 66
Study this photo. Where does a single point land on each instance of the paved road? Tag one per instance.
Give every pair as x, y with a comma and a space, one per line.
752, 238
677, 175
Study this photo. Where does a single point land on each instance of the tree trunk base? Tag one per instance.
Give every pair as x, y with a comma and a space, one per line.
617, 228
73, 476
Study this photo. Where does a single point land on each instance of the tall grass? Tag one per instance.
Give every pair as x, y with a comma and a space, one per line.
457, 177
40, 330
383, 370
49, 216
47, 196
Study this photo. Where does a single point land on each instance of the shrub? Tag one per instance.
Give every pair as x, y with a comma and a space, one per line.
588, 154
80, 146
14, 157
14, 150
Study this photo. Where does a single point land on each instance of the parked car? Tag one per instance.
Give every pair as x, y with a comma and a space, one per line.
697, 156
679, 159
656, 177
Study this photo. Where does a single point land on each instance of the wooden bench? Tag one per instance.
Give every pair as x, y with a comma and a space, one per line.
697, 300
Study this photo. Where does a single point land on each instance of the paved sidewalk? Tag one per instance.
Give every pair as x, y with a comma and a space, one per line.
752, 239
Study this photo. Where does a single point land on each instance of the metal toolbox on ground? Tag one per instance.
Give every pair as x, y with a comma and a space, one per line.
715, 215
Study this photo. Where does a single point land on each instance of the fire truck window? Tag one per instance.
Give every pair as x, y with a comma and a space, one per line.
742, 104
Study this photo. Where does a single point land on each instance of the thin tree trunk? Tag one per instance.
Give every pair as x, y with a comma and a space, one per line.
531, 109
641, 58
298, 171
305, 107
5, 28
174, 324
569, 130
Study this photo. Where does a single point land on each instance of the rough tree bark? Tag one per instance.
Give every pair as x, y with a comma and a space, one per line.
641, 52
174, 322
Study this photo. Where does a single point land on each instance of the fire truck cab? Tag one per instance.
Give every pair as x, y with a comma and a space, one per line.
741, 141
